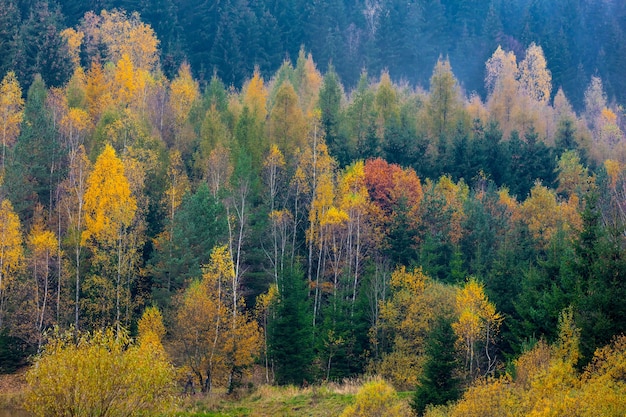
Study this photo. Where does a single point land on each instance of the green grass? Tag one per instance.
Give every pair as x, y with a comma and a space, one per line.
268, 401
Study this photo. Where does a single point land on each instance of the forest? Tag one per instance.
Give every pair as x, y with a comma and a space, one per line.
296, 228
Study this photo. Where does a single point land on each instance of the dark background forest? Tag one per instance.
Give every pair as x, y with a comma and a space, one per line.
580, 38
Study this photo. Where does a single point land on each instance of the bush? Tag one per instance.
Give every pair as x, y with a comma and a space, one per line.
377, 399
100, 374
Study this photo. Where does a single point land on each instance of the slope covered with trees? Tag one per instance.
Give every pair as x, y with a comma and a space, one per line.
309, 229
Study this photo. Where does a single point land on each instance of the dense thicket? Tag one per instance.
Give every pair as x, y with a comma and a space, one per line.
315, 230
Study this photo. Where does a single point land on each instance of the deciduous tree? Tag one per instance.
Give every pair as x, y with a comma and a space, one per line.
11, 111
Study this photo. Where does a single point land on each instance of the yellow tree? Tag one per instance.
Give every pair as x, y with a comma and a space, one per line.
534, 77
478, 324
184, 92
407, 317
11, 111
114, 33
273, 171
74, 40
42, 245
320, 177
502, 86
11, 252
308, 81
98, 93
255, 96
109, 211
287, 126
354, 201
215, 340
545, 214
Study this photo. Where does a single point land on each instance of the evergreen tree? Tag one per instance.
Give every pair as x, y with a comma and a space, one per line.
439, 383
40, 48
199, 225
291, 332
33, 163
9, 26
330, 106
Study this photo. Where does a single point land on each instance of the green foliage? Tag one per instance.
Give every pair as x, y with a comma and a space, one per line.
291, 332
199, 225
439, 382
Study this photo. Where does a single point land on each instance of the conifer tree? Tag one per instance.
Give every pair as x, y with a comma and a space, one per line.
290, 333
439, 382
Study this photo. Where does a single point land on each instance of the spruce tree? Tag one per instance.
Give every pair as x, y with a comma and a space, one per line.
291, 332
439, 383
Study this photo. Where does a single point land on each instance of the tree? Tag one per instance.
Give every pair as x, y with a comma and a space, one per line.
109, 211
215, 337
476, 327
40, 49
197, 226
439, 383
287, 125
502, 87
534, 77
83, 375
11, 112
11, 252
42, 245
408, 316
255, 96
290, 330
184, 92
445, 101
330, 96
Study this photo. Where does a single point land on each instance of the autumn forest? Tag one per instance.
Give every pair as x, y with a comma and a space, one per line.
164, 230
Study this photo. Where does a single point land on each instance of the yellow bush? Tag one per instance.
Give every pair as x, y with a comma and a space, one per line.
377, 399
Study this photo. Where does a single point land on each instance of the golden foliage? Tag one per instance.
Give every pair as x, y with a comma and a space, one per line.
407, 317
151, 329
478, 322
11, 252
74, 40
100, 374
534, 77
184, 91
121, 34
545, 214
109, 205
11, 111
215, 340
376, 399
287, 127
255, 95
502, 85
